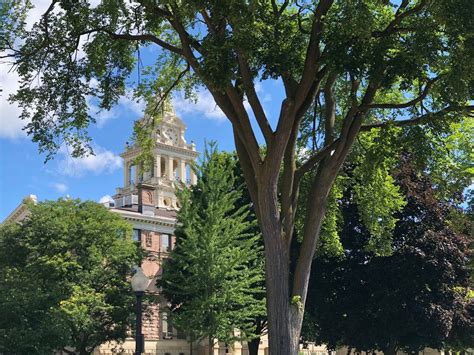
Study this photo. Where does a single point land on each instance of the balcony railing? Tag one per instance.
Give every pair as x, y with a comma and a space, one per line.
127, 200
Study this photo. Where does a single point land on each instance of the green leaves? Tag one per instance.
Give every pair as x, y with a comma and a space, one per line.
214, 275
411, 299
376, 195
64, 276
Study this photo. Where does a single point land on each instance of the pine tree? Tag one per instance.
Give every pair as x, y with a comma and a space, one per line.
213, 275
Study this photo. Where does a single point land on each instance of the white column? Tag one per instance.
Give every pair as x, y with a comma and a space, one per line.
137, 175
171, 175
193, 177
157, 166
126, 175
182, 170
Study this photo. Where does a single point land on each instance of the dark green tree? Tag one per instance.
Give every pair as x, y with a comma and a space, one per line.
260, 322
213, 278
369, 62
415, 298
64, 279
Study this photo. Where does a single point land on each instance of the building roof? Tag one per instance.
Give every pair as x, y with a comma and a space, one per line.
21, 211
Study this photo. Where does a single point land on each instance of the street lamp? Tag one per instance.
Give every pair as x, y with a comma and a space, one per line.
139, 284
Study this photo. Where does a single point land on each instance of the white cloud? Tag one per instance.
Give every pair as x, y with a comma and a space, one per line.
10, 123
205, 106
34, 15
104, 161
136, 107
59, 187
106, 198
125, 103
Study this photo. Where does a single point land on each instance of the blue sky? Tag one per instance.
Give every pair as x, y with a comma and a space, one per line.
22, 168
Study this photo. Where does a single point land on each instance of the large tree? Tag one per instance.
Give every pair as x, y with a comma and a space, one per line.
368, 62
213, 279
415, 298
64, 279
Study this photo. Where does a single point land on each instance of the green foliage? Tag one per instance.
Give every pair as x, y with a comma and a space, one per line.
379, 51
436, 41
376, 195
214, 275
330, 244
64, 278
415, 298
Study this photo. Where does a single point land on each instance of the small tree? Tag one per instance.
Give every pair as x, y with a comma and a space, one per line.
213, 278
64, 279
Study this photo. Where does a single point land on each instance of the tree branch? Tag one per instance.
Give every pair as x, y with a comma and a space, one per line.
312, 53
253, 98
312, 161
410, 103
245, 128
171, 88
289, 183
330, 108
399, 16
421, 119
140, 37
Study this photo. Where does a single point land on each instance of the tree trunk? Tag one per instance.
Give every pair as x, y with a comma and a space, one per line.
253, 346
391, 349
211, 346
283, 328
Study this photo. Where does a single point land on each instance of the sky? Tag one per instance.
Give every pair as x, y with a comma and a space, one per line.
24, 172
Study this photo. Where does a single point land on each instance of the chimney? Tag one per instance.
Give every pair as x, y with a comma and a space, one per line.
146, 203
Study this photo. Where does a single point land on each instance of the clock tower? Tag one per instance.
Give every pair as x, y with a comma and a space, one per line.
147, 200
172, 159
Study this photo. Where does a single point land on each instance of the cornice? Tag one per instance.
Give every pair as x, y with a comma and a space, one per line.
138, 217
163, 147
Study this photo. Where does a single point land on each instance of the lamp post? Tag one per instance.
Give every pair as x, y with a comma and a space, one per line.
139, 284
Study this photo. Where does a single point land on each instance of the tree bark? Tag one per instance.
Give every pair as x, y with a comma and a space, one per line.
278, 295
211, 346
253, 346
391, 349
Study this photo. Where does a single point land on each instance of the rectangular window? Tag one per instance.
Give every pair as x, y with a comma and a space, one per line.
136, 235
148, 240
165, 242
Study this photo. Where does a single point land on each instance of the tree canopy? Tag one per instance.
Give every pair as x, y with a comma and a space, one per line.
415, 298
64, 279
213, 278
367, 63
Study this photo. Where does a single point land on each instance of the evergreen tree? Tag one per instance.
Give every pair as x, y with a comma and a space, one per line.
213, 277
